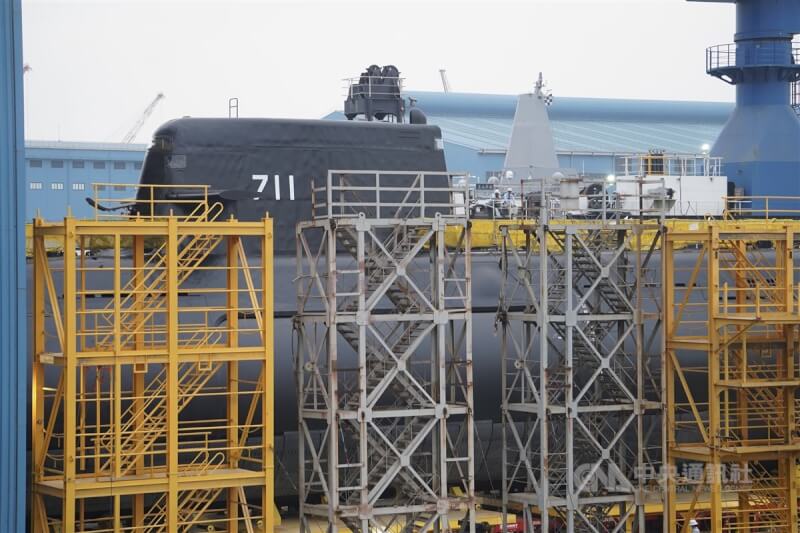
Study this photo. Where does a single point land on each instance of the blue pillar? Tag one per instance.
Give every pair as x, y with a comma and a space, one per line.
13, 355
760, 144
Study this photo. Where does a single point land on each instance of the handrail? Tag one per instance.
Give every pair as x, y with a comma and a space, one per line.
796, 96
390, 195
759, 54
371, 86
145, 195
668, 165
625, 198
759, 207
155, 273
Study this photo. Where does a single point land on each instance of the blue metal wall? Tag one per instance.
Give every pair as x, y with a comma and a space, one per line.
13, 354
60, 175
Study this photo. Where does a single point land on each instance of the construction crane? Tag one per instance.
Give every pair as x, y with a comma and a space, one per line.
445, 81
134, 131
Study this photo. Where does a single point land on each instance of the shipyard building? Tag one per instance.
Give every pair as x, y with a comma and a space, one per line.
60, 175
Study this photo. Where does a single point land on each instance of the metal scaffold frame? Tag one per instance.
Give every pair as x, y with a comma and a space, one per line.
580, 317
732, 379
153, 375
384, 355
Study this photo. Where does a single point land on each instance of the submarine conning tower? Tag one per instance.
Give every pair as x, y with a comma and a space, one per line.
760, 144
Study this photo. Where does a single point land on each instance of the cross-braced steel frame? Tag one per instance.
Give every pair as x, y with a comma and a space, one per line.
580, 398
732, 314
152, 375
384, 356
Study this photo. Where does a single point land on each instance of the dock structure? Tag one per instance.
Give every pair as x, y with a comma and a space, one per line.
384, 355
732, 378
580, 360
152, 412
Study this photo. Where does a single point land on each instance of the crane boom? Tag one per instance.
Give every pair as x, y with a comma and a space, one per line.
445, 81
134, 131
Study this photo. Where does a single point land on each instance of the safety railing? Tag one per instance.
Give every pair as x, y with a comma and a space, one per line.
753, 54
598, 199
796, 96
125, 200
668, 165
762, 207
390, 195
372, 86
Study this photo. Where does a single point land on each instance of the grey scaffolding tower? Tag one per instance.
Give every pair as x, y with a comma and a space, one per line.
580, 386
384, 354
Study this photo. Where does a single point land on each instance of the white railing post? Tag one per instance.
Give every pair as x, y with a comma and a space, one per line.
422, 194
378, 194
329, 194
313, 201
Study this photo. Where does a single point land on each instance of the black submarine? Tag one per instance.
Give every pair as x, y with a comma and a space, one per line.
254, 166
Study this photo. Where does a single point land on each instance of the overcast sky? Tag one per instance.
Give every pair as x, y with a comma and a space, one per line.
97, 64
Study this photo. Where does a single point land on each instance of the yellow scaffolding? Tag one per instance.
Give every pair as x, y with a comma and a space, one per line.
153, 375
731, 377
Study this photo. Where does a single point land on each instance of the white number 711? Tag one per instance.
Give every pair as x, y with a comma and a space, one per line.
264, 179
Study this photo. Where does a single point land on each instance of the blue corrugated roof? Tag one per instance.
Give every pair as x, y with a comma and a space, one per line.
77, 145
586, 125
582, 136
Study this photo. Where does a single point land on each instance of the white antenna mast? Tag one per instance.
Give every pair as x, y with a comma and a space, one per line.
542, 92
